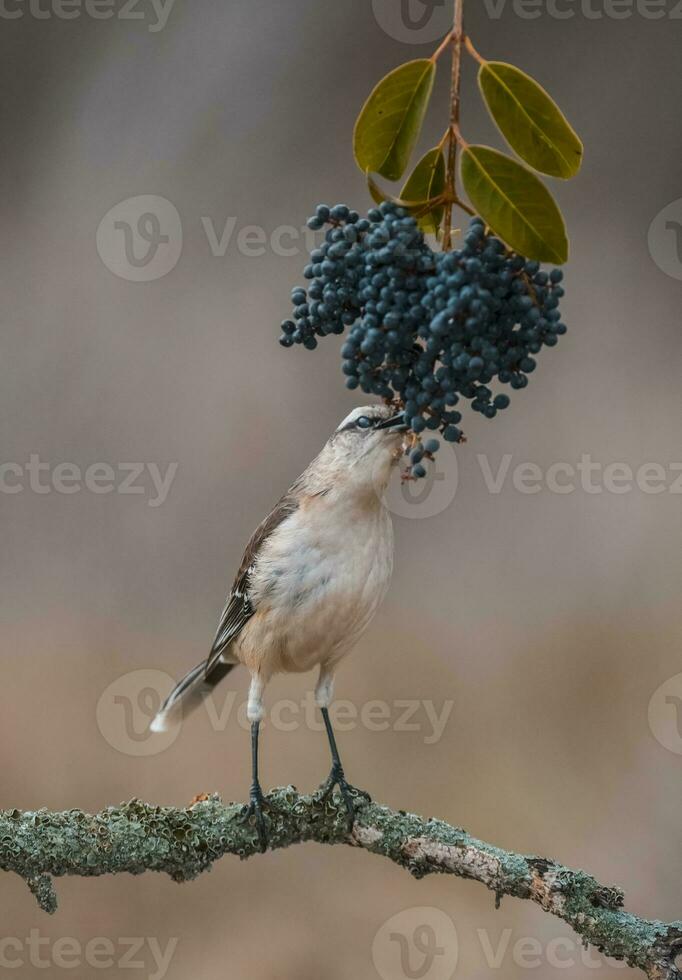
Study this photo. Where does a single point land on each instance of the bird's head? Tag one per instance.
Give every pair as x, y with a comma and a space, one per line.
364, 447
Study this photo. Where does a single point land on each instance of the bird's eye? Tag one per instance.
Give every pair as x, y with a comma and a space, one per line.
364, 422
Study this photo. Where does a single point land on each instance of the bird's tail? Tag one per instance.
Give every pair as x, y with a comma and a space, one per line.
188, 694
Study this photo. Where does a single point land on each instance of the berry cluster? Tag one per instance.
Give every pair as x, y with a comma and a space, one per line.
426, 328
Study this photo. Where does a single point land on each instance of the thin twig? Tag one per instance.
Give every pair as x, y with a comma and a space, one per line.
455, 82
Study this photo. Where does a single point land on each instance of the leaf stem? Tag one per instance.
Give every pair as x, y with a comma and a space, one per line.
442, 46
464, 207
444, 139
458, 138
473, 52
456, 39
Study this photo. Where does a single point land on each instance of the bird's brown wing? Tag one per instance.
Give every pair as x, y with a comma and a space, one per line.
238, 608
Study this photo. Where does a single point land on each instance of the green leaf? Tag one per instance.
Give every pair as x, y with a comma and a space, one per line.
530, 121
515, 204
390, 120
427, 181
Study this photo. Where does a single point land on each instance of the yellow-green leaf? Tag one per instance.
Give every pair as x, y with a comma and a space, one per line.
530, 121
427, 181
515, 204
390, 120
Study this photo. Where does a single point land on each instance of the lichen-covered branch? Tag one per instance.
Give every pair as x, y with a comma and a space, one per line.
136, 837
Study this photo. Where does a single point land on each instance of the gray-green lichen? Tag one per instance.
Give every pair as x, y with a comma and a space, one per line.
135, 837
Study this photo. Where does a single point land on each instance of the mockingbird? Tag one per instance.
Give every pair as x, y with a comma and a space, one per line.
310, 581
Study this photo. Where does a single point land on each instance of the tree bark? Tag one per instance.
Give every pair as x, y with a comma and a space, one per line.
136, 837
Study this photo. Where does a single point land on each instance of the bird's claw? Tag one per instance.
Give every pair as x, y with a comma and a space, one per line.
256, 806
337, 778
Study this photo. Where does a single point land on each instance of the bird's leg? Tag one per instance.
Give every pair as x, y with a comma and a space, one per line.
256, 798
257, 801
337, 776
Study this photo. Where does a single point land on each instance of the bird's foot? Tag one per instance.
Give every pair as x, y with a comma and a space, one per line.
348, 793
254, 811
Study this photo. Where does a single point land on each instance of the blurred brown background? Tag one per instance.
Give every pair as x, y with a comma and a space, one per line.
549, 619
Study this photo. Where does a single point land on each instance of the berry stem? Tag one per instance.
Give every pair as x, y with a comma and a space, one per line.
456, 39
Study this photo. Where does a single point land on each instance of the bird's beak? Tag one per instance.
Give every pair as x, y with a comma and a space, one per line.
396, 423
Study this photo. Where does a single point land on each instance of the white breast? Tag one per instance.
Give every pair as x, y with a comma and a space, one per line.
317, 584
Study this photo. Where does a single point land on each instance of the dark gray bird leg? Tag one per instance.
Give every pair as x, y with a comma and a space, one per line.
337, 776
257, 801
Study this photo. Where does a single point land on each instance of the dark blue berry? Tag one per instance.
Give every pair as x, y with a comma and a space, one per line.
426, 329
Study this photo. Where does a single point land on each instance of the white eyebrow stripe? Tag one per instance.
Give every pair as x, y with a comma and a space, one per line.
369, 410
